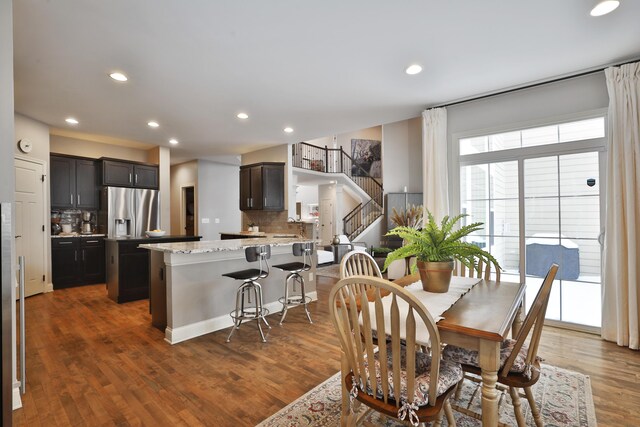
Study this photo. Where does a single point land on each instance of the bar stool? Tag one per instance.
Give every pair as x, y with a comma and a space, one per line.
244, 309
305, 250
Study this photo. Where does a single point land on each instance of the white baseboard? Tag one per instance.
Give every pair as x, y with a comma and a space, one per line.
17, 400
48, 287
193, 330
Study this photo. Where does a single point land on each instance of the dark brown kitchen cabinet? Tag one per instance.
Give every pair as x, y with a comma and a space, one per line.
126, 174
262, 187
73, 183
77, 261
128, 266
117, 173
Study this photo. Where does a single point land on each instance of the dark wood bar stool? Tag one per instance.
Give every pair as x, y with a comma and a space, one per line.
245, 309
305, 250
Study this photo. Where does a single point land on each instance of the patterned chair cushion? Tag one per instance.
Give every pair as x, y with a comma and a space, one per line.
449, 375
470, 357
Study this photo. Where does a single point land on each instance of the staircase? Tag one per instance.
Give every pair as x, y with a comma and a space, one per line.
336, 160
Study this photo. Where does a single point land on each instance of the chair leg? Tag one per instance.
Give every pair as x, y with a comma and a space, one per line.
438, 421
239, 305
515, 398
304, 299
448, 411
259, 312
259, 288
534, 408
285, 302
456, 396
347, 417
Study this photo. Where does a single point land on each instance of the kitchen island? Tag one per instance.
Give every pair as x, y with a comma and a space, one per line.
190, 297
127, 274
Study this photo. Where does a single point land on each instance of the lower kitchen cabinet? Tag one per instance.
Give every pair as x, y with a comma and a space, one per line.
128, 266
77, 261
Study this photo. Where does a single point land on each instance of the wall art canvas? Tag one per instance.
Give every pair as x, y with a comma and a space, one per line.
367, 157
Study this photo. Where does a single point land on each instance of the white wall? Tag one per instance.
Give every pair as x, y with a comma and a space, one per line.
161, 156
95, 150
306, 195
402, 156
183, 175
36, 132
218, 196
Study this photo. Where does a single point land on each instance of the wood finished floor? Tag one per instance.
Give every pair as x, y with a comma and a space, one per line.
93, 362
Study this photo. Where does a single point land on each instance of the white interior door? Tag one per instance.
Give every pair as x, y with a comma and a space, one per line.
30, 223
326, 221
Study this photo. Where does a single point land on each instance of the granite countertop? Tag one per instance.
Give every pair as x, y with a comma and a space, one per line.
150, 239
220, 245
72, 235
260, 234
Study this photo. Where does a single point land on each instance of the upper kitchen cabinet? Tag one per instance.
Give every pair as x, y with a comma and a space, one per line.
126, 174
73, 183
262, 187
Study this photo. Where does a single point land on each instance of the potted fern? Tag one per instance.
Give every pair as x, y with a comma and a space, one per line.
436, 247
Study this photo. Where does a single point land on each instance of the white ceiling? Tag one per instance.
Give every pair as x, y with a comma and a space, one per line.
321, 67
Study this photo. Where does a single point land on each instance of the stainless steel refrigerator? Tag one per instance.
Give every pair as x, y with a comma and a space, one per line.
129, 212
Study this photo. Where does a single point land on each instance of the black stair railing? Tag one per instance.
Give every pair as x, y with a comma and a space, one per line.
336, 160
361, 217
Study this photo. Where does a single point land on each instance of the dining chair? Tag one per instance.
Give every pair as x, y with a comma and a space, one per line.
359, 263
519, 361
408, 385
481, 271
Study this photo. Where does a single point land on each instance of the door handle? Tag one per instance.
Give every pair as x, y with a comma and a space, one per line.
129, 178
71, 198
136, 178
83, 255
18, 236
265, 202
78, 199
75, 255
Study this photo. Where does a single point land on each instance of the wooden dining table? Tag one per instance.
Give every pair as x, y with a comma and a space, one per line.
480, 320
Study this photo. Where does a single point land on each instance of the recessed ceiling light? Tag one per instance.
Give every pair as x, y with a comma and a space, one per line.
242, 116
71, 121
153, 124
119, 77
173, 141
413, 69
288, 130
604, 6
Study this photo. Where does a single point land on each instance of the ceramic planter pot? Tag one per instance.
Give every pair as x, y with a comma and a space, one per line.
435, 276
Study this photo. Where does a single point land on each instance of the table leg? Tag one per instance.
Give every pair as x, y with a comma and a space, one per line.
489, 363
517, 322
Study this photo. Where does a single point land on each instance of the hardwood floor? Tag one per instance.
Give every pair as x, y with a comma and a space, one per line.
93, 362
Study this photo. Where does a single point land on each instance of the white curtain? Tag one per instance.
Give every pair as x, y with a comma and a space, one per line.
621, 288
434, 162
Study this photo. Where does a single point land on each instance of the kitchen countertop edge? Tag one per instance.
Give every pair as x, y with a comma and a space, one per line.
57, 236
208, 246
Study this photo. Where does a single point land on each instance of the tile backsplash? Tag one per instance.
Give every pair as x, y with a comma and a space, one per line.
276, 222
72, 217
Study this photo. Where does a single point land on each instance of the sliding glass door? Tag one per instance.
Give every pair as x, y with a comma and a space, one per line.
540, 205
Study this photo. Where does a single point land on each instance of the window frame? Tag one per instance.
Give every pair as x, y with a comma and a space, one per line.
457, 161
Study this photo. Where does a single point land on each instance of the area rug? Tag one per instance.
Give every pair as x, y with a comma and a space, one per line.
564, 398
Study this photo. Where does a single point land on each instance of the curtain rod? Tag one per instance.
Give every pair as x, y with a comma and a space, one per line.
532, 85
